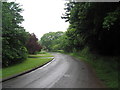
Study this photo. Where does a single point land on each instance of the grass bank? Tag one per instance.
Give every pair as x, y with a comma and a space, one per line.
40, 55
32, 61
106, 67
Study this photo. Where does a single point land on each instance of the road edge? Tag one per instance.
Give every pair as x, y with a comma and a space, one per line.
25, 72
92, 70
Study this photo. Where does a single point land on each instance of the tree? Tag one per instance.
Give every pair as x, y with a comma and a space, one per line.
95, 25
51, 40
14, 36
32, 44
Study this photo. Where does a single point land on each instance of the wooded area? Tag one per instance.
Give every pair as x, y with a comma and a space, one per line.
93, 25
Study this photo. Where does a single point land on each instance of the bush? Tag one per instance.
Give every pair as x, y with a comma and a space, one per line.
12, 56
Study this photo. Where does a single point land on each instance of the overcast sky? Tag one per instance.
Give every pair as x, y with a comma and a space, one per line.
43, 16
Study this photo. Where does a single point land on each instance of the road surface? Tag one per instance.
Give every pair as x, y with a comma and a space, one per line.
63, 72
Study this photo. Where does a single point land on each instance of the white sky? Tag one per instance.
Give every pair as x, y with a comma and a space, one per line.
43, 16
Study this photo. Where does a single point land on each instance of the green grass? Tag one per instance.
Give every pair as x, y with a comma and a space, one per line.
24, 66
42, 52
40, 55
106, 67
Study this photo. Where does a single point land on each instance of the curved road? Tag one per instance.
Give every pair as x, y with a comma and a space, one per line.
63, 72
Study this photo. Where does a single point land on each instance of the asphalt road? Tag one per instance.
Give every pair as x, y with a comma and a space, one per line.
63, 72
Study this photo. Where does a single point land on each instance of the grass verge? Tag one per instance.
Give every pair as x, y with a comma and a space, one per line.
40, 55
28, 64
106, 67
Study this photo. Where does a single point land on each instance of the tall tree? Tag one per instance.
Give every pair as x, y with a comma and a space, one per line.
14, 36
95, 25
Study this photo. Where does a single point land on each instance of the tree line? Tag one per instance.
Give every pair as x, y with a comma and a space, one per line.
16, 42
95, 25
51, 41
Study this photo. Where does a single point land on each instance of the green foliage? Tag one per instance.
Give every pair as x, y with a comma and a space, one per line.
51, 41
111, 18
61, 51
14, 36
95, 25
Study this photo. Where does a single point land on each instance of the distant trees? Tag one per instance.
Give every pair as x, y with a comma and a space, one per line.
14, 36
51, 41
96, 25
32, 44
